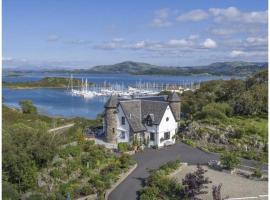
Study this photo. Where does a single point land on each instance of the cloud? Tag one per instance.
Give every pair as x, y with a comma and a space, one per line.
118, 39
233, 14
248, 54
257, 40
237, 53
139, 45
194, 16
53, 38
80, 42
223, 31
209, 43
161, 18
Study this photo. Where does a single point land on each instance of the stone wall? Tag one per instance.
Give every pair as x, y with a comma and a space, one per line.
110, 125
176, 109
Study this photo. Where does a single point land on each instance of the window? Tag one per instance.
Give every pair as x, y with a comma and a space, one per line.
113, 130
152, 136
123, 135
149, 122
167, 135
123, 121
167, 119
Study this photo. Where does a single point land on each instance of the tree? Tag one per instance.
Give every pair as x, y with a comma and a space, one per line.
229, 160
195, 183
28, 107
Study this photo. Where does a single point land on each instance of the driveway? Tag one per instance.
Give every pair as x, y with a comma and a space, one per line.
152, 159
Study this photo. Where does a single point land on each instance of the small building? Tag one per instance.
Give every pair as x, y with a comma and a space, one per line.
148, 120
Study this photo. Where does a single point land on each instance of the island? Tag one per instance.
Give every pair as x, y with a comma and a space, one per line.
47, 82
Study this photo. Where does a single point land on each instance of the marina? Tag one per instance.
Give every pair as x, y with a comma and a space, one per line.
64, 102
88, 90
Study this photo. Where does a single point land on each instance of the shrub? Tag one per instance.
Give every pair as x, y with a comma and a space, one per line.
123, 146
229, 160
257, 173
28, 107
56, 173
170, 166
9, 191
149, 193
189, 142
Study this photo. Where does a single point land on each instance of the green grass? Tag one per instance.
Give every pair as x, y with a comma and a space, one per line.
251, 125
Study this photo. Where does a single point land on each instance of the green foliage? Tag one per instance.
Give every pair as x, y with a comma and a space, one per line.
257, 172
29, 152
229, 160
123, 146
160, 186
189, 142
47, 82
9, 191
28, 107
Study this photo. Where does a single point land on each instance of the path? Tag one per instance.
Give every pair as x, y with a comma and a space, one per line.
152, 159
60, 128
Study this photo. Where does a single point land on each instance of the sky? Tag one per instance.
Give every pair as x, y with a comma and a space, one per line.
83, 33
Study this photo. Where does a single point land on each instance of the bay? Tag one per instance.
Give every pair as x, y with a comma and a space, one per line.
59, 102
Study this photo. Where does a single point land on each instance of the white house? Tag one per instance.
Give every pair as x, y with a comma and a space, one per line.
151, 120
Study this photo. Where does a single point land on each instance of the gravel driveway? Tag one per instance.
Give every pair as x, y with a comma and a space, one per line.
233, 186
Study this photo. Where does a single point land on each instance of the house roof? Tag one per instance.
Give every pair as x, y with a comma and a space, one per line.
174, 97
112, 102
137, 110
132, 111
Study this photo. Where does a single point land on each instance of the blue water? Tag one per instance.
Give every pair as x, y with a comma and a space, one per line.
59, 102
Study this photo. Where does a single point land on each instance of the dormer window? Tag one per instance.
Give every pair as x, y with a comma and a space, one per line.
123, 120
149, 122
167, 119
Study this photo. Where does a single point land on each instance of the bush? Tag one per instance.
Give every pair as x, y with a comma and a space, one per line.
170, 166
215, 110
28, 107
229, 160
123, 146
9, 191
257, 173
189, 142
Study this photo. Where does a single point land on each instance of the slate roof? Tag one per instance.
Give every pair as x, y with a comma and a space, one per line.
112, 102
174, 97
137, 110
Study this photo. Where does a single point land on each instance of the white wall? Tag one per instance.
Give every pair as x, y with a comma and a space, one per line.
121, 127
166, 126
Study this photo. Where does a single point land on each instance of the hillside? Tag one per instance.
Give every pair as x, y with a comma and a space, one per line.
219, 68
228, 116
47, 82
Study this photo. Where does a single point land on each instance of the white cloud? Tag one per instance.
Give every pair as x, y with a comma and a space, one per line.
237, 53
179, 43
248, 54
161, 18
257, 40
223, 31
118, 40
209, 43
53, 38
139, 45
194, 15
233, 14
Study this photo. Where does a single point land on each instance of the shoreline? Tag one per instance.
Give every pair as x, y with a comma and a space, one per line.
47, 114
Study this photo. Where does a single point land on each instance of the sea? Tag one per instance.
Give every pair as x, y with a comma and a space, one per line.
60, 102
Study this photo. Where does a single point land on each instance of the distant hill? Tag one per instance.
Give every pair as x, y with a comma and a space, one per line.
218, 68
239, 68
